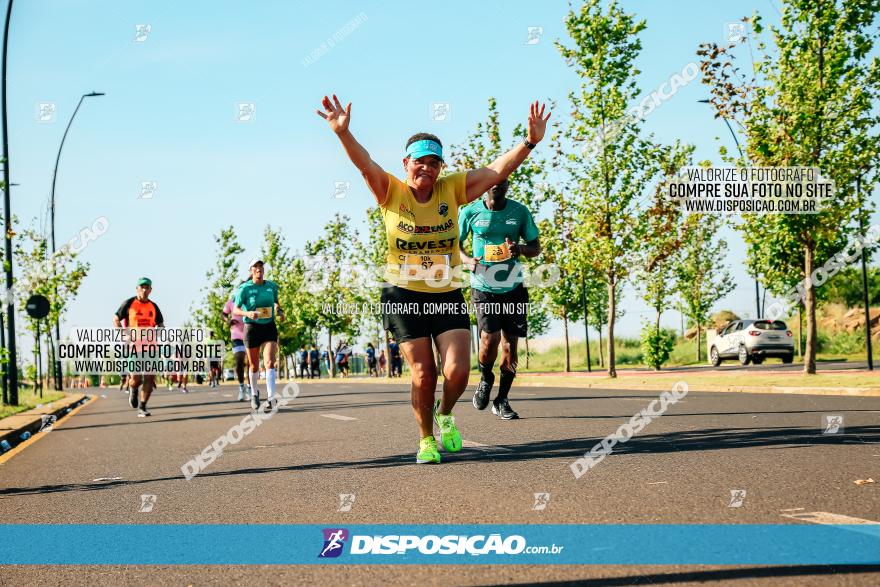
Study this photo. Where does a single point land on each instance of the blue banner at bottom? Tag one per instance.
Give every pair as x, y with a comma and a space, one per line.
209, 544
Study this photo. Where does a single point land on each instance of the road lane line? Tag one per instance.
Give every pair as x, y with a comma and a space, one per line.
828, 518
480, 446
337, 417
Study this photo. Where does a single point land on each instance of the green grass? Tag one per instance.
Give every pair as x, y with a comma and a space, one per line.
840, 347
27, 400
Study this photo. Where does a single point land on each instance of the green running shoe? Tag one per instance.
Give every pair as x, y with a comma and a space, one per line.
449, 434
428, 452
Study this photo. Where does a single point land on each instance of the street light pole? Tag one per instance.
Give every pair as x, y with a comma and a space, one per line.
12, 366
57, 366
741, 156
865, 297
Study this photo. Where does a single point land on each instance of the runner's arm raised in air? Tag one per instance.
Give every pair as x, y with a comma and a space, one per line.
338, 118
480, 180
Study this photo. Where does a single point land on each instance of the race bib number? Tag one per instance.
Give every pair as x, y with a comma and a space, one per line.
263, 312
425, 267
496, 253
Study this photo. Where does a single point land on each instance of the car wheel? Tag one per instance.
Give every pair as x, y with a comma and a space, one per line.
787, 360
714, 358
744, 357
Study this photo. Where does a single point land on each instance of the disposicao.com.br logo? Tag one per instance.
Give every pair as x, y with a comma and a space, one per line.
476, 545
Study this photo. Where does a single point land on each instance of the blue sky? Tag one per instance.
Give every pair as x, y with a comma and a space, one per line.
169, 116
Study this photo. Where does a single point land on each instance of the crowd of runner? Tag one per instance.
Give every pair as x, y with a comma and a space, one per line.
428, 220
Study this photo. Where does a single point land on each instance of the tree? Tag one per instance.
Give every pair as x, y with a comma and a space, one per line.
375, 259
666, 230
289, 276
657, 344
609, 217
221, 280
701, 278
56, 276
332, 255
538, 318
846, 287
813, 104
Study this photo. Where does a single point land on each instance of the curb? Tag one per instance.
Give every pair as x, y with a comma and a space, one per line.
528, 380
31, 421
772, 389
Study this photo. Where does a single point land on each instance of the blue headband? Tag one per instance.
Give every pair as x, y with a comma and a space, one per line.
424, 147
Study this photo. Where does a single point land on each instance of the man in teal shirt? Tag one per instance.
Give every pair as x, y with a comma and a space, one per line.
498, 225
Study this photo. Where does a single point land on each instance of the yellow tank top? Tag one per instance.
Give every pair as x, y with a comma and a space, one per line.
423, 238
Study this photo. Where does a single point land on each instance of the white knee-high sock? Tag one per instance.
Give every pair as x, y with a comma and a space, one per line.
270, 381
254, 379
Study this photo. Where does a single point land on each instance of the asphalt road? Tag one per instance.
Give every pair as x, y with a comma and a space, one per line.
343, 438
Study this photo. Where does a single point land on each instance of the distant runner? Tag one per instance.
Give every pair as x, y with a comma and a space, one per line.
371, 360
257, 301
314, 362
501, 301
140, 312
236, 334
303, 359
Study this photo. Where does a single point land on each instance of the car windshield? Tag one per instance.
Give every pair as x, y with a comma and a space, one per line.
768, 325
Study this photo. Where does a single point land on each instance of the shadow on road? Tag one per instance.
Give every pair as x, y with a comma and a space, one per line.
718, 575
690, 440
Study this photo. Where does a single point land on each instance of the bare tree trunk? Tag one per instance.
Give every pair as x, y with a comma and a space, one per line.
810, 306
527, 352
601, 349
657, 324
567, 354
612, 312
699, 343
800, 346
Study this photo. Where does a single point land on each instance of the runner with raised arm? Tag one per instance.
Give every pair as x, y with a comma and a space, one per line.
421, 225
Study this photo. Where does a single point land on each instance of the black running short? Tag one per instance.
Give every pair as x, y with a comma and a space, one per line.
412, 314
507, 312
256, 334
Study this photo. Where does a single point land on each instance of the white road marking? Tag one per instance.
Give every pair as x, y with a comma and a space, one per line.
659, 483
793, 510
480, 446
828, 518
337, 417
107, 478
227, 395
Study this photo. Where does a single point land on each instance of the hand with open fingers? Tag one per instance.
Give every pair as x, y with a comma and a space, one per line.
537, 122
512, 247
335, 115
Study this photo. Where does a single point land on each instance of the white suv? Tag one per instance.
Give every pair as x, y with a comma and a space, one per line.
751, 341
